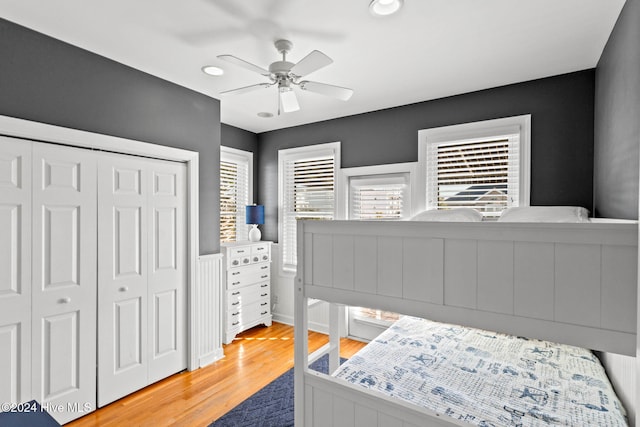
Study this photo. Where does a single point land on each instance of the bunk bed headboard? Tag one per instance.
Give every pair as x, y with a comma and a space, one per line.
574, 283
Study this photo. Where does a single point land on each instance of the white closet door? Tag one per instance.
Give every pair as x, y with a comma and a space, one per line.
15, 270
64, 278
122, 283
167, 272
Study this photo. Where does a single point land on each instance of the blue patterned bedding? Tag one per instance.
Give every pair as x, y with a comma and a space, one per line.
486, 378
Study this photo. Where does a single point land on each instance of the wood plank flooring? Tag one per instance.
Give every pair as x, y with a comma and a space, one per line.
254, 359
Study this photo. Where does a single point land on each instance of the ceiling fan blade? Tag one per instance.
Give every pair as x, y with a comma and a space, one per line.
310, 63
338, 92
288, 100
229, 7
204, 38
242, 63
246, 89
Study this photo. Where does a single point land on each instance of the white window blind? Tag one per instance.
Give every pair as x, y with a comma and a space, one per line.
235, 191
308, 193
482, 173
378, 197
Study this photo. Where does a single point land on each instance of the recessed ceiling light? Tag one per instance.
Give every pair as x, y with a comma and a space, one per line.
385, 7
212, 71
265, 115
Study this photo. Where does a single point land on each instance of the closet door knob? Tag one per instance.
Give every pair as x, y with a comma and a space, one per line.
124, 289
65, 300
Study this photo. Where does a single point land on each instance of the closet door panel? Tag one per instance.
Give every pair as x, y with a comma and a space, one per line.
60, 344
122, 282
167, 271
64, 278
15, 270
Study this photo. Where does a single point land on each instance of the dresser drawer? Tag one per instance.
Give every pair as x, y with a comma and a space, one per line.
247, 314
240, 251
261, 252
247, 276
240, 261
247, 295
259, 258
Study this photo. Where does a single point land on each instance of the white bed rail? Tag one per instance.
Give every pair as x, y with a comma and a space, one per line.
569, 283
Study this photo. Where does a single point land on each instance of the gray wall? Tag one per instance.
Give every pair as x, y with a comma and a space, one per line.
561, 147
45, 80
617, 119
243, 140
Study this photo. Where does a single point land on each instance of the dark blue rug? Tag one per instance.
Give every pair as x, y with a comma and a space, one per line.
272, 406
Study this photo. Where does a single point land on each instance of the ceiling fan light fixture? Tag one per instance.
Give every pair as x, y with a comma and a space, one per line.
385, 7
288, 100
212, 70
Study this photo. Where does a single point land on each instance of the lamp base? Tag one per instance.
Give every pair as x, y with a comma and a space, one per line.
254, 233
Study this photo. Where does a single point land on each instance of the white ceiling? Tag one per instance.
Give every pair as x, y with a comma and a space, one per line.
430, 49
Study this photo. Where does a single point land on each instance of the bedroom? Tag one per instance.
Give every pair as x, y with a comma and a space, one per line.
609, 92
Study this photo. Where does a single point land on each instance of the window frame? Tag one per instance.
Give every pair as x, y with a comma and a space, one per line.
235, 155
346, 174
474, 130
296, 154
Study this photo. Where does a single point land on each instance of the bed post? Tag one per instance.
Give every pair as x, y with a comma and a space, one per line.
300, 323
637, 391
334, 337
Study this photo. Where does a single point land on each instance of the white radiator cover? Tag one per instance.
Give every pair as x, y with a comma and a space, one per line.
208, 303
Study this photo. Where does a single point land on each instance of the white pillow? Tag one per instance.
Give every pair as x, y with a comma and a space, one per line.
545, 214
448, 215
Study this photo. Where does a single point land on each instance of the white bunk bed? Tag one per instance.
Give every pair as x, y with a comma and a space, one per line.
571, 283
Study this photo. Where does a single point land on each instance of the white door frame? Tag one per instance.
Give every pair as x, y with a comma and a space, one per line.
26, 129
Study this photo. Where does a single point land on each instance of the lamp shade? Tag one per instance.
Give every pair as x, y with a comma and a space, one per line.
255, 214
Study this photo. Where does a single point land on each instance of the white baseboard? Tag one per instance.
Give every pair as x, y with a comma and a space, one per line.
313, 326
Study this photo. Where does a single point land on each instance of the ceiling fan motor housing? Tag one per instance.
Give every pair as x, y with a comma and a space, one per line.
280, 68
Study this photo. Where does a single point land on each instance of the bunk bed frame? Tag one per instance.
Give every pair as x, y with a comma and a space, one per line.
573, 283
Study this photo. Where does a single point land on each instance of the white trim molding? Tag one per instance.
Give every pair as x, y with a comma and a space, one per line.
342, 188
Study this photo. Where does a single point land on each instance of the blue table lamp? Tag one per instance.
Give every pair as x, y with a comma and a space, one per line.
254, 216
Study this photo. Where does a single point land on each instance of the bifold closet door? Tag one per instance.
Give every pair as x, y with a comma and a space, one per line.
122, 281
64, 279
15, 270
142, 276
167, 287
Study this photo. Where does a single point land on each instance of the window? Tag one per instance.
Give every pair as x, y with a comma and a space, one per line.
376, 198
378, 192
482, 165
306, 191
236, 191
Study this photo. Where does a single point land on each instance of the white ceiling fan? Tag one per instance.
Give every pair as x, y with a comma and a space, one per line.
285, 75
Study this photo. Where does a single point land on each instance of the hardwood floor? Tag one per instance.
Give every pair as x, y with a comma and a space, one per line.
254, 359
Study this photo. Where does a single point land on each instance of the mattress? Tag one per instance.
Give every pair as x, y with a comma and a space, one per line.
486, 378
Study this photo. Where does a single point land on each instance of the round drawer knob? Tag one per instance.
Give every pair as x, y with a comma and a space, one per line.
235, 262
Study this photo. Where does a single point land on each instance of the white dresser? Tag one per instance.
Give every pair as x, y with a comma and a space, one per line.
247, 286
